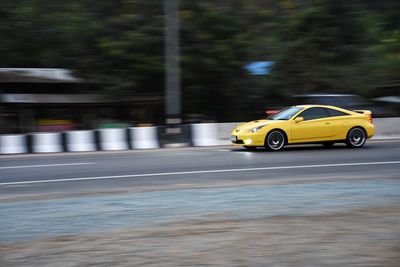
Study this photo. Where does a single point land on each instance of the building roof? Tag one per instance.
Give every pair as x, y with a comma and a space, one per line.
323, 95
389, 99
37, 75
72, 99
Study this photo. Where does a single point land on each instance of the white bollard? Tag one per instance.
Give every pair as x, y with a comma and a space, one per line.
79, 141
13, 144
144, 137
46, 142
205, 134
113, 139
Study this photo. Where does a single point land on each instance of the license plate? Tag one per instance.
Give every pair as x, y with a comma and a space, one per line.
233, 138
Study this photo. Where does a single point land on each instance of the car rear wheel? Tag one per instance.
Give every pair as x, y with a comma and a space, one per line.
356, 137
275, 140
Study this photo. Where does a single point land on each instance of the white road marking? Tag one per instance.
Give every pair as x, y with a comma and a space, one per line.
47, 165
199, 172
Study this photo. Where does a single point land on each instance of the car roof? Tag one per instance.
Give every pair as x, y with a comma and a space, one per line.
312, 105
321, 106
323, 95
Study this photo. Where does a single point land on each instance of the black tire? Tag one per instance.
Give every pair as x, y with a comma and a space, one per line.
251, 148
328, 144
356, 137
275, 140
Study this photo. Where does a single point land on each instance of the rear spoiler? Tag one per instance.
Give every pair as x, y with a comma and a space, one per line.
367, 113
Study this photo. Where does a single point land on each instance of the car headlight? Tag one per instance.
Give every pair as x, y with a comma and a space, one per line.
254, 130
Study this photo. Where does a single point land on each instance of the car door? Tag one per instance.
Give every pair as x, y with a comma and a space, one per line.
316, 126
339, 121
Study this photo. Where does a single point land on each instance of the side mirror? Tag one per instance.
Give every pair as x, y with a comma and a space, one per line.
298, 119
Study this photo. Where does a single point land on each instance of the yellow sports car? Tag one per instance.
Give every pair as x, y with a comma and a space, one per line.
321, 124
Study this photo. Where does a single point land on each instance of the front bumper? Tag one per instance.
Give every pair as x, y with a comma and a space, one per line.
247, 139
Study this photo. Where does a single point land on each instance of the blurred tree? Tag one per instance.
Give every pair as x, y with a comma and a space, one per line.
379, 69
214, 49
320, 48
317, 45
218, 39
117, 44
28, 34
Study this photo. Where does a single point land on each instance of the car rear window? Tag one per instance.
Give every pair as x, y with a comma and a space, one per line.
314, 113
334, 113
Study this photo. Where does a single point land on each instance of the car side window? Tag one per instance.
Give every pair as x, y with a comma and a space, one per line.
334, 113
314, 113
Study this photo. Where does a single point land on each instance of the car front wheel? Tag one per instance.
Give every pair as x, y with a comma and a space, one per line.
275, 140
356, 137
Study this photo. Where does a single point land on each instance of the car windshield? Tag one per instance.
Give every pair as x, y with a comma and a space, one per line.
285, 114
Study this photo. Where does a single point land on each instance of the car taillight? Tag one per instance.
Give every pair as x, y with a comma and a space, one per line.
370, 118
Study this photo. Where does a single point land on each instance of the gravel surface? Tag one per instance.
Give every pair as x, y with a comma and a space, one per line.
360, 237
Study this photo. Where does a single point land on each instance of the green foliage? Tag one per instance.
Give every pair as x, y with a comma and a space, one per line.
321, 46
317, 46
380, 65
116, 44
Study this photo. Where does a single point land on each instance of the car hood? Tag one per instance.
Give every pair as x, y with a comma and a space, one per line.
253, 124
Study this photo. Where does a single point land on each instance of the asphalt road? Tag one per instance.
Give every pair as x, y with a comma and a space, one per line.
218, 206
106, 172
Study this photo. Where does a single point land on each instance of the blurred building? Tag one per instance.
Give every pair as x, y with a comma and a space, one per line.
33, 99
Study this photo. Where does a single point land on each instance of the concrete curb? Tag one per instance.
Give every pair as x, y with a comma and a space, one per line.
197, 135
13, 144
80, 141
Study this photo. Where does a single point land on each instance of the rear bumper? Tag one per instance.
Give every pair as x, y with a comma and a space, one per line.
370, 131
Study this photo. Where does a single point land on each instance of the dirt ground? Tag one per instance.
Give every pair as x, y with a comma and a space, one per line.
362, 237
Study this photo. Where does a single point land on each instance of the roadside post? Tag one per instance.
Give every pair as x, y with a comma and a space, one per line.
173, 134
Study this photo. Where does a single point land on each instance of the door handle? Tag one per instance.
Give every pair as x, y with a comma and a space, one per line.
327, 123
